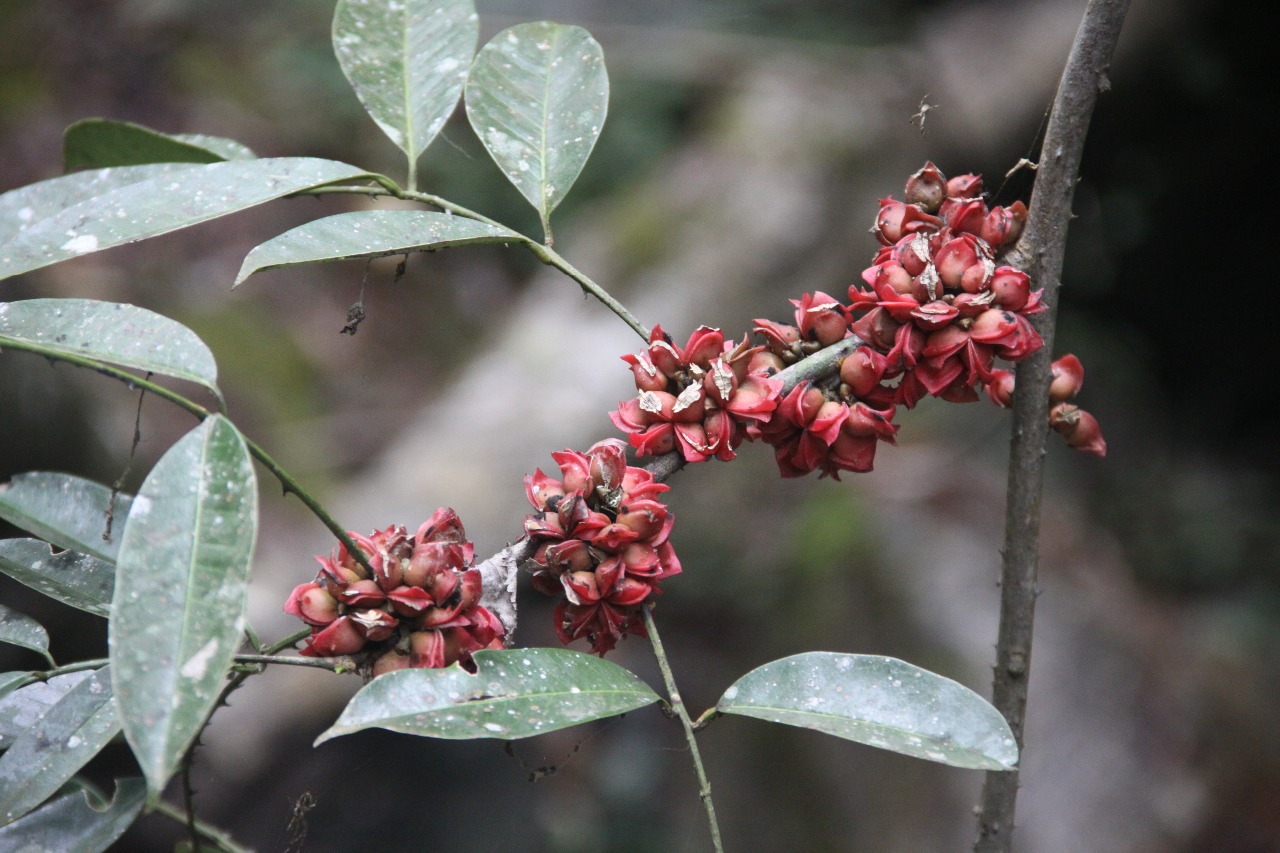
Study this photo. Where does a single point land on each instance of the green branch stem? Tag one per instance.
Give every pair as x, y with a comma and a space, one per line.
287, 482
677, 705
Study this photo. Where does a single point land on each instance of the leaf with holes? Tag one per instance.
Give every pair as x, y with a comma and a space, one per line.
878, 701
96, 143
370, 234
70, 821
407, 62
181, 583
158, 205
537, 98
68, 511
72, 731
111, 332
76, 579
515, 693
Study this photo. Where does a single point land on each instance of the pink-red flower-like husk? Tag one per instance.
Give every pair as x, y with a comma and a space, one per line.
313, 604
1068, 379
340, 637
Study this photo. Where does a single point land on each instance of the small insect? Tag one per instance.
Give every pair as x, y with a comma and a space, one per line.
297, 829
923, 112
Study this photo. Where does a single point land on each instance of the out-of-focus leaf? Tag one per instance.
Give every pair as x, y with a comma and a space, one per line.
68, 511
96, 143
878, 701
9, 681
69, 822
515, 693
156, 206
21, 630
22, 708
370, 234
113, 332
537, 98
227, 149
46, 755
407, 62
181, 583
73, 578
25, 206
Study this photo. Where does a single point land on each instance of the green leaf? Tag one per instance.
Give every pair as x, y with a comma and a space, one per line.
370, 234
21, 709
73, 578
72, 731
20, 629
9, 681
118, 334
537, 98
25, 206
181, 583
68, 511
878, 701
227, 149
515, 693
159, 205
70, 822
407, 62
96, 143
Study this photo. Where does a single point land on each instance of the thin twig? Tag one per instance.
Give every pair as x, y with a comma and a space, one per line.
542, 251
220, 840
289, 484
677, 705
1040, 254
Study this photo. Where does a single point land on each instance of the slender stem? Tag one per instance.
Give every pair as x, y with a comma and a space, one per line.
287, 481
552, 258
288, 642
677, 705
189, 797
1040, 254
331, 664
78, 666
541, 251
220, 839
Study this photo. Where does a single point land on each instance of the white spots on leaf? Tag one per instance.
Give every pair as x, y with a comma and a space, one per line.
26, 214
196, 665
141, 506
447, 64
80, 244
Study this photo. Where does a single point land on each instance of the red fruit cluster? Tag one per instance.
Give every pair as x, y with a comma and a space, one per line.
935, 304
1078, 427
933, 311
703, 399
420, 608
601, 543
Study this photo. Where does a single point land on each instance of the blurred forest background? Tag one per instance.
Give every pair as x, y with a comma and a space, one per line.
745, 148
